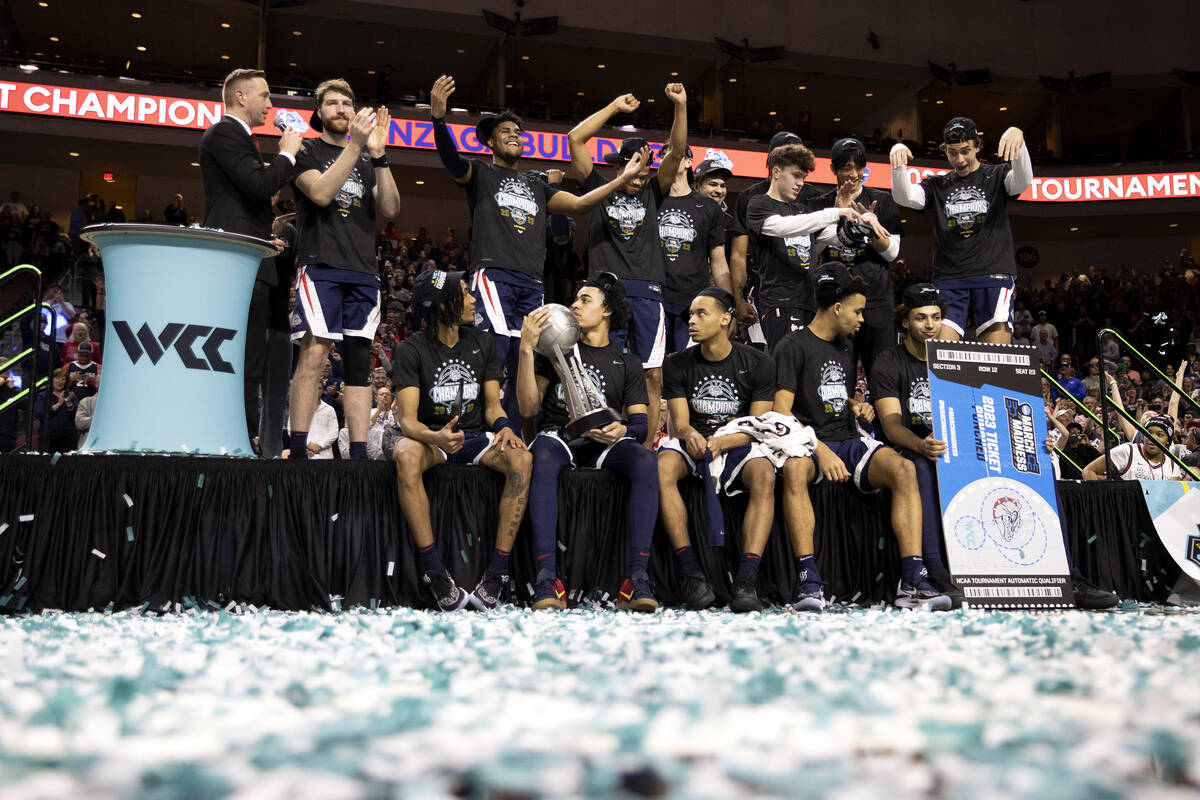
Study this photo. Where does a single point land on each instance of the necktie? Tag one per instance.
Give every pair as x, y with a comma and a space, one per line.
254, 138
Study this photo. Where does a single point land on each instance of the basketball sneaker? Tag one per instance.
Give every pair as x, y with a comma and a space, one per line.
939, 578
921, 594
745, 597
490, 590
635, 595
697, 592
809, 595
548, 592
447, 594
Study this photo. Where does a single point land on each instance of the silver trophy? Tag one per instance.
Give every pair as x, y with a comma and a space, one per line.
585, 405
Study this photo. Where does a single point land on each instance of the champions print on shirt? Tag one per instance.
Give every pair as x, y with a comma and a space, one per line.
920, 404
351, 193
677, 232
517, 203
594, 386
453, 376
625, 214
832, 390
966, 209
716, 399
798, 247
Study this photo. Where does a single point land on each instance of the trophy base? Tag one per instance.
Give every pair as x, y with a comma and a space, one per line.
576, 428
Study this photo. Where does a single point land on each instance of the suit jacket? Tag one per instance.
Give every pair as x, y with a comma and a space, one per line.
237, 187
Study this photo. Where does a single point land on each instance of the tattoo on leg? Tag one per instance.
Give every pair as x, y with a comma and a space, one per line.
515, 485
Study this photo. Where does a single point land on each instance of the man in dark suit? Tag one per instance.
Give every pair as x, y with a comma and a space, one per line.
238, 189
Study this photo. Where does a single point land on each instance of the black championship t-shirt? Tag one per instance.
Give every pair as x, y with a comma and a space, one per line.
783, 262
508, 219
971, 234
341, 234
623, 232
822, 376
741, 227
615, 379
898, 373
689, 227
718, 391
440, 371
854, 249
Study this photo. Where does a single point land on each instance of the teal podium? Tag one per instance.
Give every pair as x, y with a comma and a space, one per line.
175, 339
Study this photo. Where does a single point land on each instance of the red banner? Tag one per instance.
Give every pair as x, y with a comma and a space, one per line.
179, 112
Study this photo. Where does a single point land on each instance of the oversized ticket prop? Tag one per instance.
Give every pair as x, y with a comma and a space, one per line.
996, 481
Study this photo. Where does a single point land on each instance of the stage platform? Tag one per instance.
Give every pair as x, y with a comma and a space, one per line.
96, 532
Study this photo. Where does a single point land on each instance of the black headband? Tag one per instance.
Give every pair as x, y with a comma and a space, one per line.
723, 298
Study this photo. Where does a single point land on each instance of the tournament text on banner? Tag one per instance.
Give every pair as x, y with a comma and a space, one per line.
996, 482
182, 112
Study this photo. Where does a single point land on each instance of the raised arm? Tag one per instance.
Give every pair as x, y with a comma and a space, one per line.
458, 167
783, 225
387, 195
567, 203
1012, 148
581, 134
669, 166
904, 192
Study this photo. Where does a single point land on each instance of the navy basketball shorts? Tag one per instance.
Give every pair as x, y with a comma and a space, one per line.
474, 446
986, 300
333, 303
646, 336
736, 459
677, 327
856, 454
779, 322
503, 298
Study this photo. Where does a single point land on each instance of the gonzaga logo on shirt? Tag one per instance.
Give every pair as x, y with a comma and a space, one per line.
625, 215
516, 202
832, 390
450, 376
715, 397
351, 193
676, 231
966, 209
797, 247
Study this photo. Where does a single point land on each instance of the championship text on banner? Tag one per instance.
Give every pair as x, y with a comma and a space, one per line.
1175, 508
89, 103
996, 481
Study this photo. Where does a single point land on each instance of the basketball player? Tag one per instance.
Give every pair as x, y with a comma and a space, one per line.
447, 386
614, 379
623, 235
863, 250
973, 263
1144, 461
691, 233
339, 190
742, 269
509, 212
781, 243
899, 385
815, 378
705, 387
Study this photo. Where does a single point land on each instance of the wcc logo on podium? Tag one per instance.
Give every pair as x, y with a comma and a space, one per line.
184, 338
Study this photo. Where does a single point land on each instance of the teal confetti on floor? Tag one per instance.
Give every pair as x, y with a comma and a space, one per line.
854, 703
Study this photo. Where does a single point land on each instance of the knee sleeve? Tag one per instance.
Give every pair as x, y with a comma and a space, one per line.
356, 361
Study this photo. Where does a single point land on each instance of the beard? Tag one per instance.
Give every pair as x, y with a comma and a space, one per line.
338, 125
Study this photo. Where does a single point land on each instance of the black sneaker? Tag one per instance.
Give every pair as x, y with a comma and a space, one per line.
448, 596
1092, 598
697, 592
635, 595
745, 596
939, 578
489, 591
548, 592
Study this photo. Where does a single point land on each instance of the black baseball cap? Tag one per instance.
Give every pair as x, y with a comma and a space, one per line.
433, 287
847, 150
627, 150
711, 167
831, 272
782, 138
959, 130
921, 294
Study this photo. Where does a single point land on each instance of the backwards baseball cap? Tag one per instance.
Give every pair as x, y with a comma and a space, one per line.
628, 147
713, 168
921, 294
847, 150
85, 347
1164, 422
831, 272
782, 138
724, 299
433, 287
959, 130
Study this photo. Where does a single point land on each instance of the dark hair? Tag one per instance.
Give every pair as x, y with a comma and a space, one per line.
902, 313
614, 299
448, 313
830, 292
507, 115
792, 155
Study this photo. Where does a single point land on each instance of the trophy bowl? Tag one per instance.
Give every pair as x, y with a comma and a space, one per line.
563, 331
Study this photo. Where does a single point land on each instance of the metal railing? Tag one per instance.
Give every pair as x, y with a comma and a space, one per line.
30, 380
1106, 403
